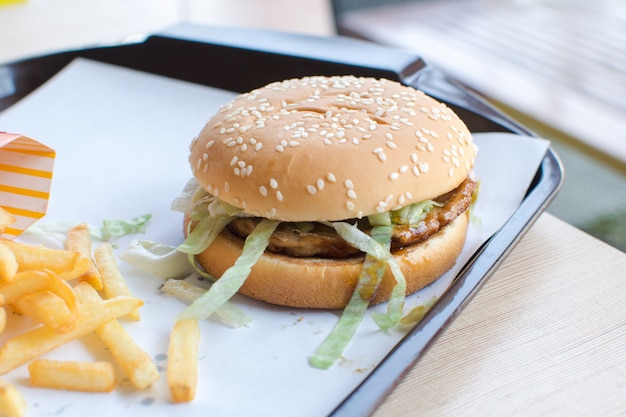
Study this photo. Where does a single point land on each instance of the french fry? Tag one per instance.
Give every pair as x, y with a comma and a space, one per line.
182, 363
47, 308
30, 282
113, 282
3, 320
81, 267
78, 240
133, 360
35, 342
6, 219
12, 403
31, 257
73, 375
8, 263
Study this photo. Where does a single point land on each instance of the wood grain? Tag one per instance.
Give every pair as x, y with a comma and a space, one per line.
545, 336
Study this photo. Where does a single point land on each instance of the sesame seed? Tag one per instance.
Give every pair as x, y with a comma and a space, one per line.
234, 160
263, 191
320, 184
209, 144
403, 169
394, 176
349, 184
351, 194
382, 157
279, 196
311, 189
273, 183
349, 205
416, 171
331, 178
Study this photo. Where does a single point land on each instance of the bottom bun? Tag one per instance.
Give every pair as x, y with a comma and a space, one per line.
329, 283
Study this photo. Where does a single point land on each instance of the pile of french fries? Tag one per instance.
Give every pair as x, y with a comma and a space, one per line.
69, 293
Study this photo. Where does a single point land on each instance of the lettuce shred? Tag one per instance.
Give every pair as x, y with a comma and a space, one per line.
367, 284
232, 279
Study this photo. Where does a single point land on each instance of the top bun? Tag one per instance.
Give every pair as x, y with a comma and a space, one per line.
331, 148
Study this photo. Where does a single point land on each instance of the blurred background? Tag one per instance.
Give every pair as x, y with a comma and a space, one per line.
558, 66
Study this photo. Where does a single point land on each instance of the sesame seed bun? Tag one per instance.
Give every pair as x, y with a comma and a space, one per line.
331, 148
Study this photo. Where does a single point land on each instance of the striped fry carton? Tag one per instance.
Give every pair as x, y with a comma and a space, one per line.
26, 167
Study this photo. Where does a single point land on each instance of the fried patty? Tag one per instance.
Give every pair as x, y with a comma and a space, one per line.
317, 240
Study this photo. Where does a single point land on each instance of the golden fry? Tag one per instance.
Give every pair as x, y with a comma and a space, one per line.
12, 402
135, 362
8, 263
47, 308
33, 343
78, 240
113, 282
182, 362
6, 219
73, 375
30, 282
81, 267
31, 257
3, 320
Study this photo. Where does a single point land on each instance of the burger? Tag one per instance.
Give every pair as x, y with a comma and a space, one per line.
305, 187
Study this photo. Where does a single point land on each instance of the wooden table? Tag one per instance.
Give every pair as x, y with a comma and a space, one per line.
545, 336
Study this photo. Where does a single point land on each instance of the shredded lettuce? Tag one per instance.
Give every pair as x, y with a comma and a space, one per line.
367, 284
184, 203
416, 314
413, 213
157, 258
203, 234
113, 229
228, 312
365, 243
230, 282
166, 262
110, 229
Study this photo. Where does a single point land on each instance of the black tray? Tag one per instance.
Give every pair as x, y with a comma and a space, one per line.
240, 59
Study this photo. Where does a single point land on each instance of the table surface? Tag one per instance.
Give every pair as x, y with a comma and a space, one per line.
546, 335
